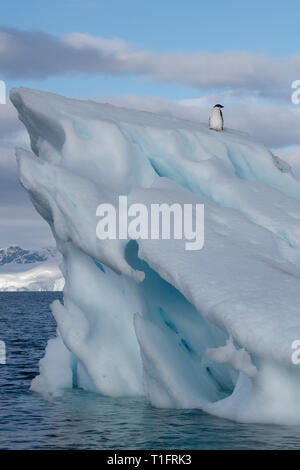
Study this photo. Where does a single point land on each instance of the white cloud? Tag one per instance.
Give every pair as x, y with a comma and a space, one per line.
10, 126
34, 54
20, 223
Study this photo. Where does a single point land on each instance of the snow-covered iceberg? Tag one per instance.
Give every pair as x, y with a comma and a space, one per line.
212, 329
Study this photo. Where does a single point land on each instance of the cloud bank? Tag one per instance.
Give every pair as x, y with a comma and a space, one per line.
39, 55
20, 223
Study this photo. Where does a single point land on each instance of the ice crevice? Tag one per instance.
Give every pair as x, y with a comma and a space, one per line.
210, 329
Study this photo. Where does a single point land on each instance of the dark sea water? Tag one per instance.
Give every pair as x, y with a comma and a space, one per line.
81, 420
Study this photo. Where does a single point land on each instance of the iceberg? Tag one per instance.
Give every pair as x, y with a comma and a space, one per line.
211, 329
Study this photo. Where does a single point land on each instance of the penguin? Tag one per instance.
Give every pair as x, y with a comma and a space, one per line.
216, 120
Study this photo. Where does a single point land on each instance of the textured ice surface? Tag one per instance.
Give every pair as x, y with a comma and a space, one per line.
211, 329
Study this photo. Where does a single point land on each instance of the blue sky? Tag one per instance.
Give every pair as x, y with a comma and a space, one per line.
163, 26
171, 56
259, 25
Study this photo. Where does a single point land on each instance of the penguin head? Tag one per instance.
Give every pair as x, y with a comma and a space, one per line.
218, 106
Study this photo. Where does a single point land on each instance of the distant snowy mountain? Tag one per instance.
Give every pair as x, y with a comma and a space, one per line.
30, 270
15, 254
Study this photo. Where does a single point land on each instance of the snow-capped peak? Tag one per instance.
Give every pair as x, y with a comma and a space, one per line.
17, 255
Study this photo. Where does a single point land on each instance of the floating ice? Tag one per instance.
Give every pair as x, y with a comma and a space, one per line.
211, 329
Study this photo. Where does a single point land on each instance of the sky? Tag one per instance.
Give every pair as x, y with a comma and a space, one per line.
168, 56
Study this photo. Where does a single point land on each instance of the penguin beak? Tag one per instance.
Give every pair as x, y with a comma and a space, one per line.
221, 106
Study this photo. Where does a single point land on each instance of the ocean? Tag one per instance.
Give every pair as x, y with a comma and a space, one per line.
82, 420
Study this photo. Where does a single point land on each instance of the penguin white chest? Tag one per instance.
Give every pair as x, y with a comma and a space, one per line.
216, 120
